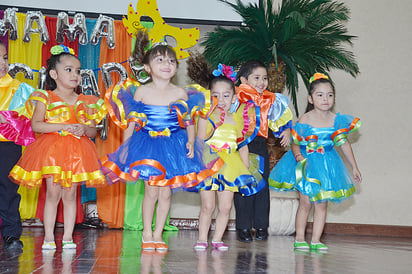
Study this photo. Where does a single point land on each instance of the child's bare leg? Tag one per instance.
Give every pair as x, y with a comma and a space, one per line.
69, 210
53, 195
163, 207
225, 199
208, 207
319, 219
302, 217
150, 198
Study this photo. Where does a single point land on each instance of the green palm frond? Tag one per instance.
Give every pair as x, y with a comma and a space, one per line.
308, 35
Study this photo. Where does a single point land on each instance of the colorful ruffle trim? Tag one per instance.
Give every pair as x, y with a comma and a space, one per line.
339, 137
64, 178
59, 112
187, 181
186, 111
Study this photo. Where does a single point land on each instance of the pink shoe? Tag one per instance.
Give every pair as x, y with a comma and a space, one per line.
220, 246
200, 245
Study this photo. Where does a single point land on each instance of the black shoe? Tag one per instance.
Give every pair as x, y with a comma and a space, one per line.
261, 234
11, 243
244, 235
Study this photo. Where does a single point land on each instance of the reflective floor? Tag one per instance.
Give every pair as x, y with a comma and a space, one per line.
118, 251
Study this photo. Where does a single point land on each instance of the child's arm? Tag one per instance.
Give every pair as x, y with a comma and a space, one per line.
129, 131
348, 152
297, 153
244, 155
201, 128
190, 141
285, 138
40, 126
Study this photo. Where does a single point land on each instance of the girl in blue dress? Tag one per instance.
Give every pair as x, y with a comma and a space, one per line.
313, 166
159, 140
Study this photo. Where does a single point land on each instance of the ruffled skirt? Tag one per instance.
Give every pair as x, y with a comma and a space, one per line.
324, 177
161, 160
67, 159
233, 175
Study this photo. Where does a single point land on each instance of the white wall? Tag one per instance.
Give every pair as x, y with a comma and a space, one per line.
381, 97
187, 9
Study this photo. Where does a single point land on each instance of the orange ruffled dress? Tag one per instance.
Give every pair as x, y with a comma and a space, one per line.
69, 159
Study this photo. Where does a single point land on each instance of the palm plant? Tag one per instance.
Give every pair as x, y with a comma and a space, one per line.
300, 37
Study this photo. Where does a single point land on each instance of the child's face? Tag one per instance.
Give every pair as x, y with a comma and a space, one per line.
162, 66
4, 61
258, 79
323, 97
224, 93
67, 73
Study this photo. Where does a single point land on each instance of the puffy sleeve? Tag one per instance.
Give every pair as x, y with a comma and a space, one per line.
199, 103
17, 129
18, 126
38, 95
344, 124
90, 108
279, 115
121, 106
298, 132
19, 99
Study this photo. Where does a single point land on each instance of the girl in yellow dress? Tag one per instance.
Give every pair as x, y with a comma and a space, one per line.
222, 131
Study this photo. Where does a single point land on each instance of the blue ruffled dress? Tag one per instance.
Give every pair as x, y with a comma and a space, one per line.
322, 175
156, 151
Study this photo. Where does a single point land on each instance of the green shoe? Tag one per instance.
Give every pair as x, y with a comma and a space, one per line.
318, 246
301, 245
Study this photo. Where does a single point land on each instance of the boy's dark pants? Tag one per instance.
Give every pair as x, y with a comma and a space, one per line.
253, 211
10, 153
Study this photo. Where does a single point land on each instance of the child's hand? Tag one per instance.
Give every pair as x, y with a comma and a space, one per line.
357, 175
285, 138
3, 120
190, 150
78, 129
68, 128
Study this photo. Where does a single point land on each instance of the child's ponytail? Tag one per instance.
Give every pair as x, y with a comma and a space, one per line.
199, 70
142, 42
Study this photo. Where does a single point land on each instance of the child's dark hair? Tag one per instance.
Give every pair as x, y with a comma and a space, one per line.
144, 56
200, 71
2, 43
51, 65
247, 68
312, 87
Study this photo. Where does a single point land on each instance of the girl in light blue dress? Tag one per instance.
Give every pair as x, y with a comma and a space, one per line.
313, 165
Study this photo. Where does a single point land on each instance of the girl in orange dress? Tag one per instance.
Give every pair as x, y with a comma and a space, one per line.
63, 153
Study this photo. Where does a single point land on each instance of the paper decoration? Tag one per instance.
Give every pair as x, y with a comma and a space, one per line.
185, 38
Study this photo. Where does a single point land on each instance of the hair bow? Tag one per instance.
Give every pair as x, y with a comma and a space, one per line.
226, 71
56, 50
318, 76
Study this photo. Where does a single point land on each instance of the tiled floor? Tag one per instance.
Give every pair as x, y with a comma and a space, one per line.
118, 251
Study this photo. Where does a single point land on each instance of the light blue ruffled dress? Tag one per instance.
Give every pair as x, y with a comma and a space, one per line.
323, 176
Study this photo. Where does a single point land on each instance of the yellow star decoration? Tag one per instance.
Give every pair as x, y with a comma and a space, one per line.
185, 38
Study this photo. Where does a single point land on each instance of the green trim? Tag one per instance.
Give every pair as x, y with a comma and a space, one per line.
331, 195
